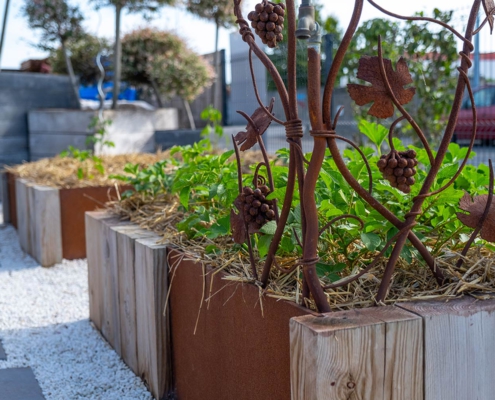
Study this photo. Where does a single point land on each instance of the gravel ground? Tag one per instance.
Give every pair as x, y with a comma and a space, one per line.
44, 325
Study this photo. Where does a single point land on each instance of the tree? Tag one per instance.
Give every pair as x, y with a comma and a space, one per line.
163, 62
431, 56
148, 7
222, 13
84, 51
58, 22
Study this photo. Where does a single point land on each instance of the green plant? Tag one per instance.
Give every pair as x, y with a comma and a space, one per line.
148, 8
213, 126
58, 22
84, 171
83, 52
99, 125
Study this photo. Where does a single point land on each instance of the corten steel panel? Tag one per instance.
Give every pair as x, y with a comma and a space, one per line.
12, 200
236, 353
73, 204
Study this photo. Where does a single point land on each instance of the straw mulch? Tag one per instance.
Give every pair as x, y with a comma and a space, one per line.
410, 281
61, 172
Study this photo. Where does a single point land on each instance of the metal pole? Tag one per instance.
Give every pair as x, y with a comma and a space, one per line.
4, 25
476, 71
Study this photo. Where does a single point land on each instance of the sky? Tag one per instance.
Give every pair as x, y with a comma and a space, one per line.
20, 41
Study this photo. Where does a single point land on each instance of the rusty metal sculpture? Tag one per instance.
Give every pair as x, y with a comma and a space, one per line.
388, 91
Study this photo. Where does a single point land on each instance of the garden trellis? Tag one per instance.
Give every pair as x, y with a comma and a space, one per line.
388, 92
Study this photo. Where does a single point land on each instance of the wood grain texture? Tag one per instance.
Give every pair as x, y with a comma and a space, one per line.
459, 350
95, 223
22, 211
363, 354
126, 236
45, 225
4, 196
111, 314
153, 324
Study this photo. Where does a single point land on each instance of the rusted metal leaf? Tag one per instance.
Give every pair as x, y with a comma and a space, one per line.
369, 70
489, 7
476, 208
238, 227
248, 138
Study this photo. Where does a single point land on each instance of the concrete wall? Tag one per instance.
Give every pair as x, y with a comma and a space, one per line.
52, 131
22, 92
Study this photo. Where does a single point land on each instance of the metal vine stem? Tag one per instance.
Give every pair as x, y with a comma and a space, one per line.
323, 131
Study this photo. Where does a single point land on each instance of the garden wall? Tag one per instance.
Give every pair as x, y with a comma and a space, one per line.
52, 131
22, 92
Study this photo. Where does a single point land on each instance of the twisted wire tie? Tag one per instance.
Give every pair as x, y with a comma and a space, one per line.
245, 32
294, 129
323, 133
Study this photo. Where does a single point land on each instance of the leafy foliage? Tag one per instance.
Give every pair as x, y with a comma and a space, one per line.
219, 11
161, 59
57, 20
84, 51
431, 56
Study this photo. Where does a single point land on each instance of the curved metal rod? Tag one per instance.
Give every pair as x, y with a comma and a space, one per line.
371, 265
340, 217
239, 167
391, 130
471, 143
255, 86
475, 32
297, 146
336, 119
249, 120
248, 37
482, 219
425, 19
402, 110
337, 62
363, 156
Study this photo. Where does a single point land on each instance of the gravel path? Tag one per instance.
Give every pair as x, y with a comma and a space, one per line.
44, 325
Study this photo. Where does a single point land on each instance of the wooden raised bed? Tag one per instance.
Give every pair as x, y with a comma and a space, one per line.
128, 281
50, 221
425, 350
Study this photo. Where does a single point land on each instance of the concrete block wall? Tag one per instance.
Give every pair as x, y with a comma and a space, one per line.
22, 92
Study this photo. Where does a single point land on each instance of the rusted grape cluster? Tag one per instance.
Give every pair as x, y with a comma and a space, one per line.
268, 22
398, 168
257, 208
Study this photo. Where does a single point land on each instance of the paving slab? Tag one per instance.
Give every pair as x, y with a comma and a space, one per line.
19, 384
3, 356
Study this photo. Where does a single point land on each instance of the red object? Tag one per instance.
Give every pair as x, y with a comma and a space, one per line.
484, 99
230, 348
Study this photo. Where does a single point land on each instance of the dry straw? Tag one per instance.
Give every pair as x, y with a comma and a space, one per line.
411, 281
62, 172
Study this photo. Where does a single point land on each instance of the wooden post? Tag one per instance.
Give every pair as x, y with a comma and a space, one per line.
45, 226
126, 235
153, 322
373, 353
459, 348
22, 199
4, 195
128, 284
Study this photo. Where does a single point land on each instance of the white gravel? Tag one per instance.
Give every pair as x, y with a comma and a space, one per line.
44, 324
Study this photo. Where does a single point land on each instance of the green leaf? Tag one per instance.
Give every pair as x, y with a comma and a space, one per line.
80, 173
264, 245
330, 270
184, 196
269, 228
375, 132
371, 240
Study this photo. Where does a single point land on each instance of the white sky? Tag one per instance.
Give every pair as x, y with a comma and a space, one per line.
199, 34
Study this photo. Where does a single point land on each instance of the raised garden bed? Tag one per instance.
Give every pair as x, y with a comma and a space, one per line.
421, 350
128, 286
46, 202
